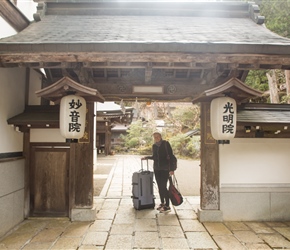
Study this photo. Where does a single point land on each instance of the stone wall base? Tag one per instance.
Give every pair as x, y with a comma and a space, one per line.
83, 214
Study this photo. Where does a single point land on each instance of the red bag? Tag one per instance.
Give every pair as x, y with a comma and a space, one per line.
174, 194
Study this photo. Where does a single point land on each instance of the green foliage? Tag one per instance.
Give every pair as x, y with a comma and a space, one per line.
185, 146
257, 79
277, 16
183, 119
133, 142
277, 20
139, 138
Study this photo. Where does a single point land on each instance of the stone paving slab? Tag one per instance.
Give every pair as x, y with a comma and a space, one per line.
101, 226
217, 228
247, 237
201, 240
67, 243
119, 242
192, 226
35, 246
95, 238
285, 231
148, 225
236, 225
146, 240
229, 242
258, 246
275, 240
171, 232
174, 243
122, 229
260, 227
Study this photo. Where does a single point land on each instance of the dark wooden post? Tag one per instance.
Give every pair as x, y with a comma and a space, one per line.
108, 137
27, 180
209, 190
84, 157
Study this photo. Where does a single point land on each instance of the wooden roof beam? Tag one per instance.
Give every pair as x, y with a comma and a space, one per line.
136, 58
13, 15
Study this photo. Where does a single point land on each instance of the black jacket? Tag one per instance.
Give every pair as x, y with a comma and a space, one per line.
161, 156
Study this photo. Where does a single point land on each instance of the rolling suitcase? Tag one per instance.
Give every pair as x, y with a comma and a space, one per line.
142, 189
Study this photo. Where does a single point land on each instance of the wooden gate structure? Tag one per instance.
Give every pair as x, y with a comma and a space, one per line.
156, 51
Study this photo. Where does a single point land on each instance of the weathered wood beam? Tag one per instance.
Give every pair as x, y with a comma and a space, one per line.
256, 60
124, 91
13, 15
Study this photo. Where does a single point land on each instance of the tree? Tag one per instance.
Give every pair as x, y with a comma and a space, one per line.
184, 118
276, 16
277, 20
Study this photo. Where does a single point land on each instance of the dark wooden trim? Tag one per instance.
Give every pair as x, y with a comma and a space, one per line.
72, 181
27, 81
26, 152
10, 156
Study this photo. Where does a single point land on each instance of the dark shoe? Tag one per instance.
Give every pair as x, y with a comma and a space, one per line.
165, 209
160, 206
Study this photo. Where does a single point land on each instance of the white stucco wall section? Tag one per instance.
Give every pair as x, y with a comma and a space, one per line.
255, 161
12, 96
12, 100
46, 135
11, 194
255, 179
35, 80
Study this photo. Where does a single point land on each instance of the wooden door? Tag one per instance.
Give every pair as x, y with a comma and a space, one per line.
49, 181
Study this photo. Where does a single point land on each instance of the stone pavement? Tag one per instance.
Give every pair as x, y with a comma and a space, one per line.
119, 226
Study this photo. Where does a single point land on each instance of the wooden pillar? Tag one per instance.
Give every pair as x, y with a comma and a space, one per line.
108, 140
84, 156
209, 190
26, 154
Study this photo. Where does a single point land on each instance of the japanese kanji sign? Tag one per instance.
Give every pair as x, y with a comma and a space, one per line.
223, 118
72, 116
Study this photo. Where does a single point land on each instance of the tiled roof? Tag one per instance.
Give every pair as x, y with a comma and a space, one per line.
264, 113
146, 33
258, 116
145, 29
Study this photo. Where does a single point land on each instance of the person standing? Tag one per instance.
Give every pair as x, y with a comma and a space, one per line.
162, 154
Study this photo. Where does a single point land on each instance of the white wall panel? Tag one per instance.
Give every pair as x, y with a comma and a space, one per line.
46, 135
257, 160
12, 101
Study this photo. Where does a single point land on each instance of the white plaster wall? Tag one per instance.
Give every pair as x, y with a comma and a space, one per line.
11, 194
34, 85
258, 160
255, 180
46, 135
12, 82
12, 101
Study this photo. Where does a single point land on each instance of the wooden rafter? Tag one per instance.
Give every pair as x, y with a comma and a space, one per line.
121, 59
13, 16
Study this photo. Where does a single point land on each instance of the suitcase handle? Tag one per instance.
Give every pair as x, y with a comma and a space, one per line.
142, 164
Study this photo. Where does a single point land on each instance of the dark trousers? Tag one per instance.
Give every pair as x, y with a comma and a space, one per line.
161, 177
